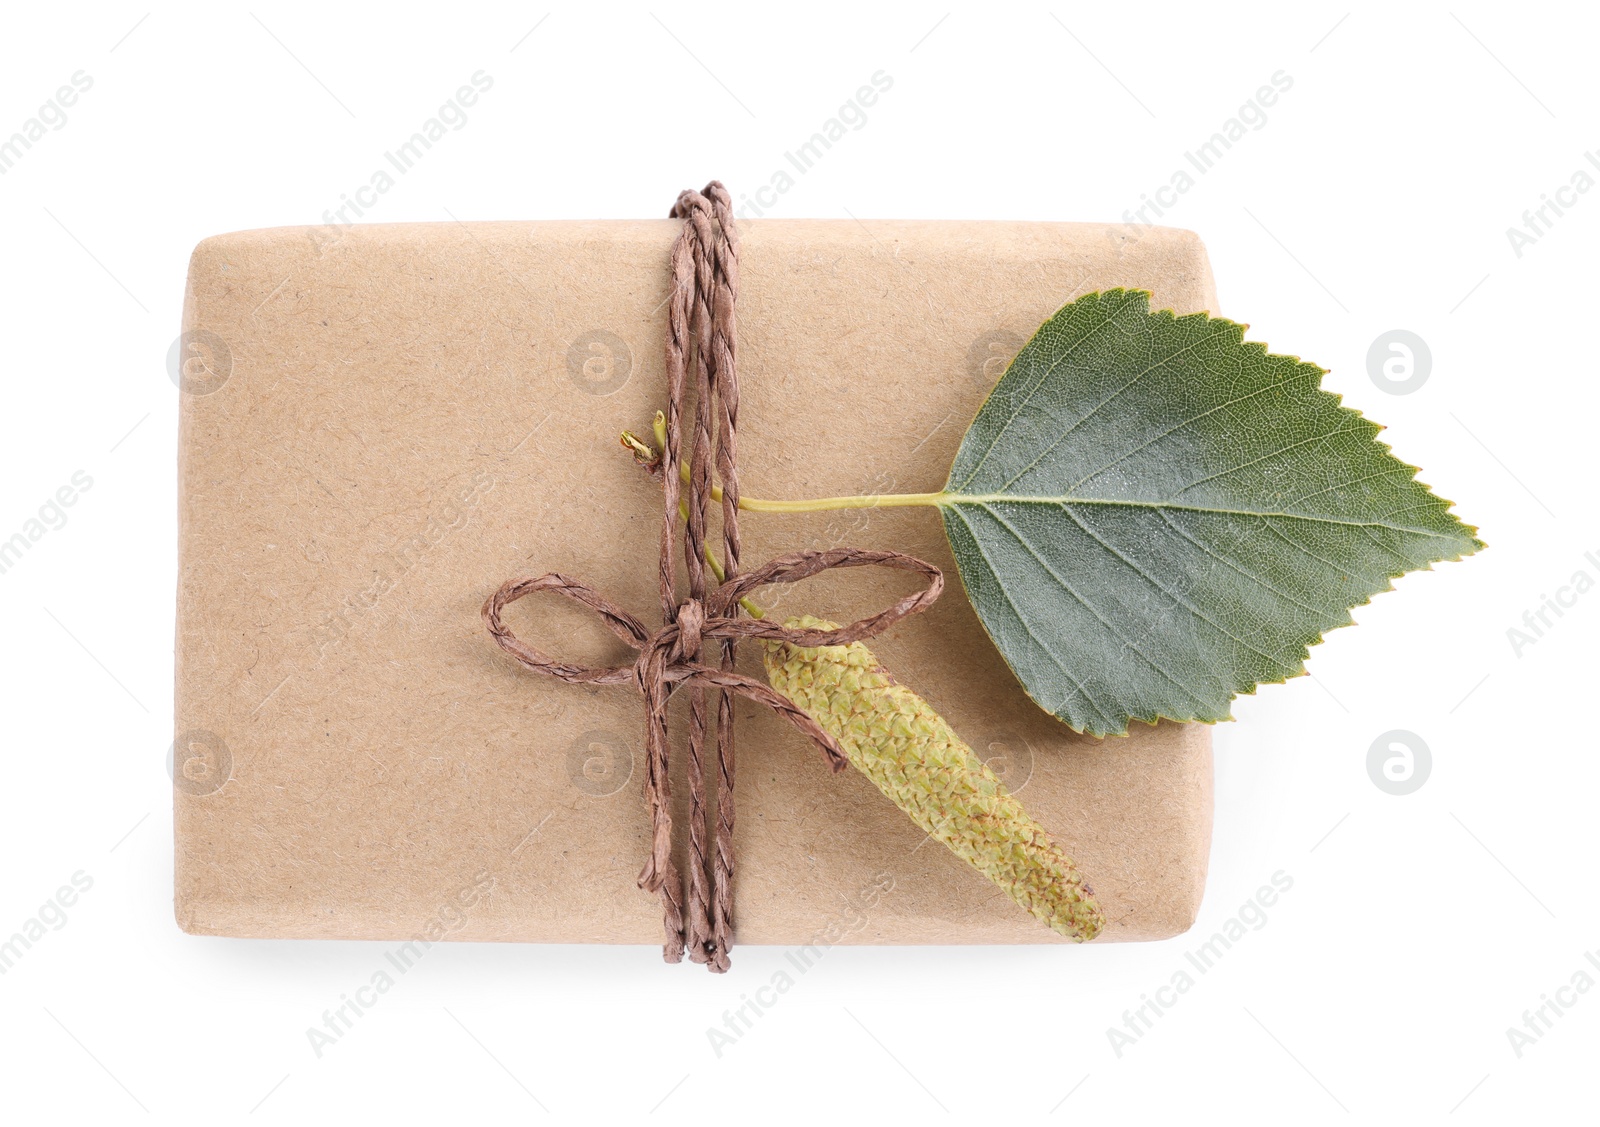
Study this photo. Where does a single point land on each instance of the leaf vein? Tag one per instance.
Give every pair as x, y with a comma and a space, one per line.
1179, 426
1023, 499
1028, 398
1174, 596
1062, 437
1065, 586
1250, 575
1338, 569
1084, 693
1269, 454
1370, 536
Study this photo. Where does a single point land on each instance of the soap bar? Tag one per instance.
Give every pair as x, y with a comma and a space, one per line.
379, 429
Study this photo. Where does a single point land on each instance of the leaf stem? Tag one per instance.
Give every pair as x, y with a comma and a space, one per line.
828, 504
650, 458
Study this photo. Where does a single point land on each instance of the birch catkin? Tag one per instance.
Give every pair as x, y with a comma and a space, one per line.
892, 736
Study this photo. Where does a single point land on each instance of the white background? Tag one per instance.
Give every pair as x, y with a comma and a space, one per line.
1377, 196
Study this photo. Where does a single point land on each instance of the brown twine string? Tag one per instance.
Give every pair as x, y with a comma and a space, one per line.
705, 282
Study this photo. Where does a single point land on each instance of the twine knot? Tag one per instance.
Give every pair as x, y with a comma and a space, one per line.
691, 618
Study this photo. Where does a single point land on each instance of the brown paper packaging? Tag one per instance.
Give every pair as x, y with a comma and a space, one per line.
382, 424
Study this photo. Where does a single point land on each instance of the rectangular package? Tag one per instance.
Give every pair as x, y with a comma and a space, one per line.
382, 424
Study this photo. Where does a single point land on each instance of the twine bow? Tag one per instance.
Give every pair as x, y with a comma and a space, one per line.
704, 286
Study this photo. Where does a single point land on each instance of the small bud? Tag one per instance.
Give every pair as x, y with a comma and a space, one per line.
643, 453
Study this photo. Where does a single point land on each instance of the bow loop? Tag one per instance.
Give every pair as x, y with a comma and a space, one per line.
667, 656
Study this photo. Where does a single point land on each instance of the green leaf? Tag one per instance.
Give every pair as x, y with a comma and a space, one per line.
1152, 515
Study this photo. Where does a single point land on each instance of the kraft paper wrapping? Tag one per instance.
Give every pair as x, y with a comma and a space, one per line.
382, 424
